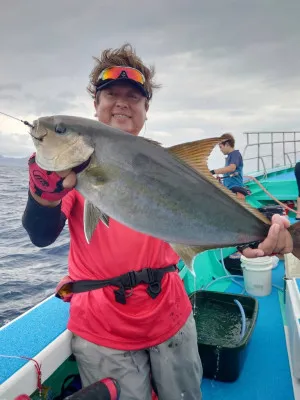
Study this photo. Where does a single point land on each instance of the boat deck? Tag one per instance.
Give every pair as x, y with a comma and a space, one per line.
30, 333
281, 183
285, 175
266, 372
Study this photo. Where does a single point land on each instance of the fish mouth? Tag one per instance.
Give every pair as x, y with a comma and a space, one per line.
35, 128
39, 138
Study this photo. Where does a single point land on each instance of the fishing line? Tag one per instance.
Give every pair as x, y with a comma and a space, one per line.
17, 119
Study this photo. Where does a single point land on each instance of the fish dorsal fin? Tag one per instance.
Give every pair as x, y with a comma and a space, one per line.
195, 154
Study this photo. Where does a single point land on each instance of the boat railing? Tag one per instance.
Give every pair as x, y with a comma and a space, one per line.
262, 161
269, 150
288, 157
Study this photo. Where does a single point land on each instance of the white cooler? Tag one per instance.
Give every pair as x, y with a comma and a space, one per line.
292, 313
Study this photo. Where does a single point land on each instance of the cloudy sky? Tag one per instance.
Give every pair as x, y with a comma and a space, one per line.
224, 66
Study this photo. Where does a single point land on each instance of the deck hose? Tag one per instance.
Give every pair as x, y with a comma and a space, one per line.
243, 318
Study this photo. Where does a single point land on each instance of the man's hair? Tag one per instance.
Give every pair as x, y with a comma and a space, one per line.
228, 138
124, 56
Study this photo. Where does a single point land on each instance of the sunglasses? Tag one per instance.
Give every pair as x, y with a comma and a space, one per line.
121, 72
223, 143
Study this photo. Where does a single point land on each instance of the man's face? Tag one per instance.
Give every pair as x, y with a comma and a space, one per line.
224, 148
122, 106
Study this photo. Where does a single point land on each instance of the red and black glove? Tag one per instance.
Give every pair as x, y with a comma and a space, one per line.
45, 184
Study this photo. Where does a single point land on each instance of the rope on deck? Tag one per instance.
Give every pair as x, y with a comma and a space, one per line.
270, 195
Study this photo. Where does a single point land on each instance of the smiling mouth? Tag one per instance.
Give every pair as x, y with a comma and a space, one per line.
121, 115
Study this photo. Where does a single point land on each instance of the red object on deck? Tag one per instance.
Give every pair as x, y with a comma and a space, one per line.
22, 397
154, 397
290, 204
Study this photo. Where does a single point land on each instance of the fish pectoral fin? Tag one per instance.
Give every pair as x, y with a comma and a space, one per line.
104, 218
91, 216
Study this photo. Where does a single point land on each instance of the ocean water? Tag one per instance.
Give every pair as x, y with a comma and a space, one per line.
28, 274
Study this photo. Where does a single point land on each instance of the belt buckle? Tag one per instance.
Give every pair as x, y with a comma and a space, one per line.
150, 273
132, 279
145, 276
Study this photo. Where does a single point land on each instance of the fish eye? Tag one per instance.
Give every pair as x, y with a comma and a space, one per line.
60, 129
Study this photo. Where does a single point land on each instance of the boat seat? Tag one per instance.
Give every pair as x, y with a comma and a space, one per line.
240, 191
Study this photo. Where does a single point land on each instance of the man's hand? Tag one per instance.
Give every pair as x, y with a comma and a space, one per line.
278, 241
48, 188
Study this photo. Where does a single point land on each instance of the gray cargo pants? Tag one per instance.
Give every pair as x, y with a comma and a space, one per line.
175, 366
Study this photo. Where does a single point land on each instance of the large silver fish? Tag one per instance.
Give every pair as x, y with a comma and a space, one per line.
167, 193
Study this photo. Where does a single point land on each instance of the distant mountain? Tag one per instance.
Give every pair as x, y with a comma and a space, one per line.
13, 161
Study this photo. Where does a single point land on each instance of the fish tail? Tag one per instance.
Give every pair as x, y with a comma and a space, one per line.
188, 254
295, 233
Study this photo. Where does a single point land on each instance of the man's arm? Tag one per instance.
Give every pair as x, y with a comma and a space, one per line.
43, 224
229, 169
43, 218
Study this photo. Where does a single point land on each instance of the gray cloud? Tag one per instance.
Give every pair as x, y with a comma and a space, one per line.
10, 86
9, 97
224, 65
54, 104
15, 145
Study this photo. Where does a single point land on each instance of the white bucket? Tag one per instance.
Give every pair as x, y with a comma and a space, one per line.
257, 275
275, 261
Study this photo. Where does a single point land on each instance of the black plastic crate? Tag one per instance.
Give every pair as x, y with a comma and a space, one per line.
219, 320
233, 265
270, 210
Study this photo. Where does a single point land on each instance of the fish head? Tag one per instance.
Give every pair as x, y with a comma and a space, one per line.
61, 142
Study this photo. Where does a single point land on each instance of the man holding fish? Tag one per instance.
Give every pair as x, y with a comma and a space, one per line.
133, 208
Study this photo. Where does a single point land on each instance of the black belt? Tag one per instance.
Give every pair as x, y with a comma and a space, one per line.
150, 276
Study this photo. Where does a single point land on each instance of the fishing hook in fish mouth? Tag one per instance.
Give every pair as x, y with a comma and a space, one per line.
35, 126
18, 119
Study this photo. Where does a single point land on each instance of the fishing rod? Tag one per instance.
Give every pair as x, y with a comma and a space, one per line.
229, 176
17, 119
